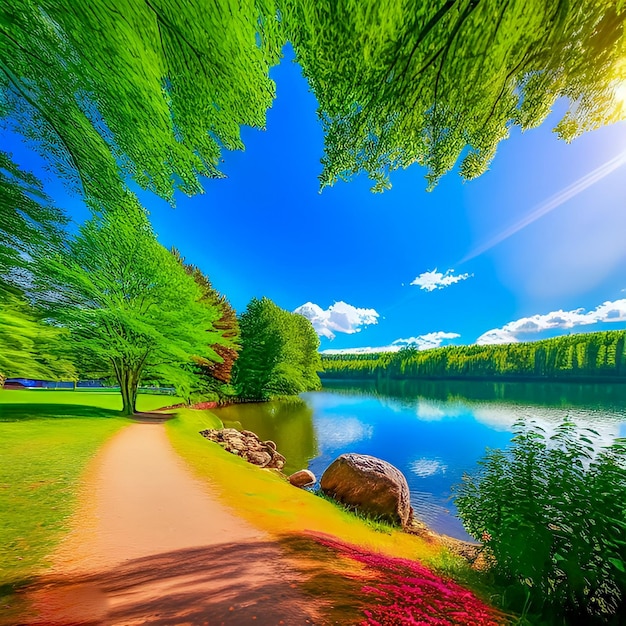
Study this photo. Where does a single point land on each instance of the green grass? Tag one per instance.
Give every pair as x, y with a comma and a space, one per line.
46, 440
111, 400
268, 501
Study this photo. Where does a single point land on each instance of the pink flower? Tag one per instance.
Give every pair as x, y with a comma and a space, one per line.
405, 593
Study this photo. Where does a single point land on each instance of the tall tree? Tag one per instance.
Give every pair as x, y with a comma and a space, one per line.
278, 352
216, 373
132, 311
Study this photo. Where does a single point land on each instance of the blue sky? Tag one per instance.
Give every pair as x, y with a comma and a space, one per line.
266, 230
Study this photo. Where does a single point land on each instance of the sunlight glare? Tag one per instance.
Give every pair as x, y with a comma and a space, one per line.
620, 95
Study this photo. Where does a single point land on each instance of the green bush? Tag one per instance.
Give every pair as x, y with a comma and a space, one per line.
552, 515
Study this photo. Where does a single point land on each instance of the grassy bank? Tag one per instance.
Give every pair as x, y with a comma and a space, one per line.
46, 440
321, 538
267, 501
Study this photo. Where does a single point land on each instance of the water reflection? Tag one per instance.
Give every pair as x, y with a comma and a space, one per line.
605, 397
500, 405
428, 467
434, 432
289, 424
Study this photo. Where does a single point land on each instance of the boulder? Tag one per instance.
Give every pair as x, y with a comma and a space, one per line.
303, 478
278, 461
258, 457
370, 485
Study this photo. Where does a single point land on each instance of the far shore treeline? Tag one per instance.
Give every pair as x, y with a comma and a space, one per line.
593, 357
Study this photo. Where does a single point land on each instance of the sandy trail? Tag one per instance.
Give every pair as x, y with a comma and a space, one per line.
151, 545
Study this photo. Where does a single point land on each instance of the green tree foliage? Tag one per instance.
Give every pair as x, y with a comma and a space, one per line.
30, 224
132, 311
598, 356
397, 82
552, 514
30, 227
30, 348
278, 353
215, 374
406, 82
151, 90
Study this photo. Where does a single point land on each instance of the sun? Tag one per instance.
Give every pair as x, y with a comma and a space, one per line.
620, 93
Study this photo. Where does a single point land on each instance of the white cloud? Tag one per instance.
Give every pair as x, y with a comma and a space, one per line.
337, 318
432, 280
423, 342
364, 350
496, 335
427, 341
557, 320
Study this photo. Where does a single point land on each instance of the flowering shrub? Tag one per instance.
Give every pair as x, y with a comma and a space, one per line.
551, 512
409, 594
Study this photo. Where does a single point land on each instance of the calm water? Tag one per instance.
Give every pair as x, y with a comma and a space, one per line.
433, 431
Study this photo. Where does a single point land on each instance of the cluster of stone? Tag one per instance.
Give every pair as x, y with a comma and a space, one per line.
248, 446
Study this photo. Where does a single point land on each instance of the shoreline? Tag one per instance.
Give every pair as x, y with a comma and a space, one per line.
468, 550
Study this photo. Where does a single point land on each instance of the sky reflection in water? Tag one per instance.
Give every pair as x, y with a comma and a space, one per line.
433, 432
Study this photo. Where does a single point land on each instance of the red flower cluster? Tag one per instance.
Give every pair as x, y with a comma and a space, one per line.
409, 594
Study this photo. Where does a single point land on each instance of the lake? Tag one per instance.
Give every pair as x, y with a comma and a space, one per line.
434, 432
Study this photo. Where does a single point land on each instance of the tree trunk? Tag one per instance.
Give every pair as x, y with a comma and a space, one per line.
128, 387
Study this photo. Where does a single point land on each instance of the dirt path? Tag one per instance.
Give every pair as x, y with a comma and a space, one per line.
151, 545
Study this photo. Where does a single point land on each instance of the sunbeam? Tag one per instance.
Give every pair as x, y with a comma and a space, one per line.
551, 203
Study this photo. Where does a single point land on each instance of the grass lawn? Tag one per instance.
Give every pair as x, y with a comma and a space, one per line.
111, 400
46, 440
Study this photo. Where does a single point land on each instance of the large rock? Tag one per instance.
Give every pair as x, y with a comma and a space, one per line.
248, 446
369, 485
303, 478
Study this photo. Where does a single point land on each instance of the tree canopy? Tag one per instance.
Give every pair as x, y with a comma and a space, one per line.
278, 352
132, 311
151, 90
154, 90
406, 82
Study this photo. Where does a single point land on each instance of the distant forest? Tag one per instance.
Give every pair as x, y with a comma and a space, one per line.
597, 356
